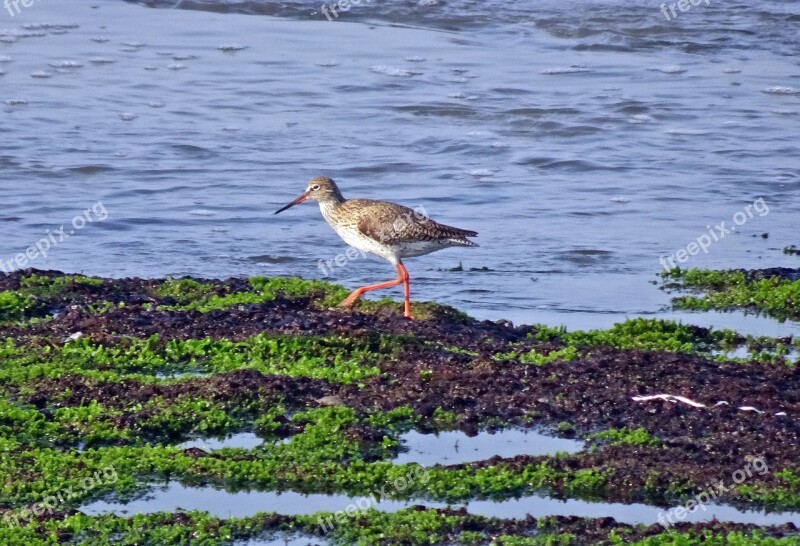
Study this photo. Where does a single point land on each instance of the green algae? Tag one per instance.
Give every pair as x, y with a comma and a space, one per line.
14, 306
773, 296
542, 540
324, 446
624, 436
190, 294
785, 493
539, 358
709, 538
409, 527
338, 467
658, 335
646, 334
185, 292
36, 293
46, 287
333, 358
322, 450
336, 359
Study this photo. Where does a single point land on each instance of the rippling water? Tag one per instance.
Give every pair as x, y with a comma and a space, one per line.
583, 140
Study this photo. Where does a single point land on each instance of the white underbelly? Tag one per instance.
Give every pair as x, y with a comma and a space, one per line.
356, 239
393, 253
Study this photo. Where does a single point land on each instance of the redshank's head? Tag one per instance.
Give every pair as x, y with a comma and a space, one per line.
319, 189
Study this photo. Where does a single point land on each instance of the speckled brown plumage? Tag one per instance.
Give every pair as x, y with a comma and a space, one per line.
388, 230
394, 224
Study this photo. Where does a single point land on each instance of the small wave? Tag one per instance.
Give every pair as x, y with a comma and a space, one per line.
574, 69
50, 26
781, 90
271, 259
448, 110
542, 111
193, 151
585, 256
687, 132
603, 47
231, 48
641, 118
579, 165
90, 169
668, 69
395, 72
66, 64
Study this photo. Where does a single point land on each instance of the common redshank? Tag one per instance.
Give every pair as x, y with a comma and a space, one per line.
387, 230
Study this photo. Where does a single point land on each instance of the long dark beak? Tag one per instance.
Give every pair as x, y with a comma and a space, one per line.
293, 203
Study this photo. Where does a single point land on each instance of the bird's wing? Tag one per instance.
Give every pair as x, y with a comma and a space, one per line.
389, 223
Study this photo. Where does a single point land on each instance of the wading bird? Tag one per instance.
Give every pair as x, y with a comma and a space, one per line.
387, 230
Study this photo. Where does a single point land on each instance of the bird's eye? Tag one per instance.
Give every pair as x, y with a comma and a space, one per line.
315, 187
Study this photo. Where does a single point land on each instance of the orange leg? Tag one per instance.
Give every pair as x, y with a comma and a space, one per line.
402, 278
406, 291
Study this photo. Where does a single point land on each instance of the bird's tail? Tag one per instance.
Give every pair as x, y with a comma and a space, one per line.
457, 236
461, 241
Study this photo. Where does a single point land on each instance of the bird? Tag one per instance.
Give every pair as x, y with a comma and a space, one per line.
387, 230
